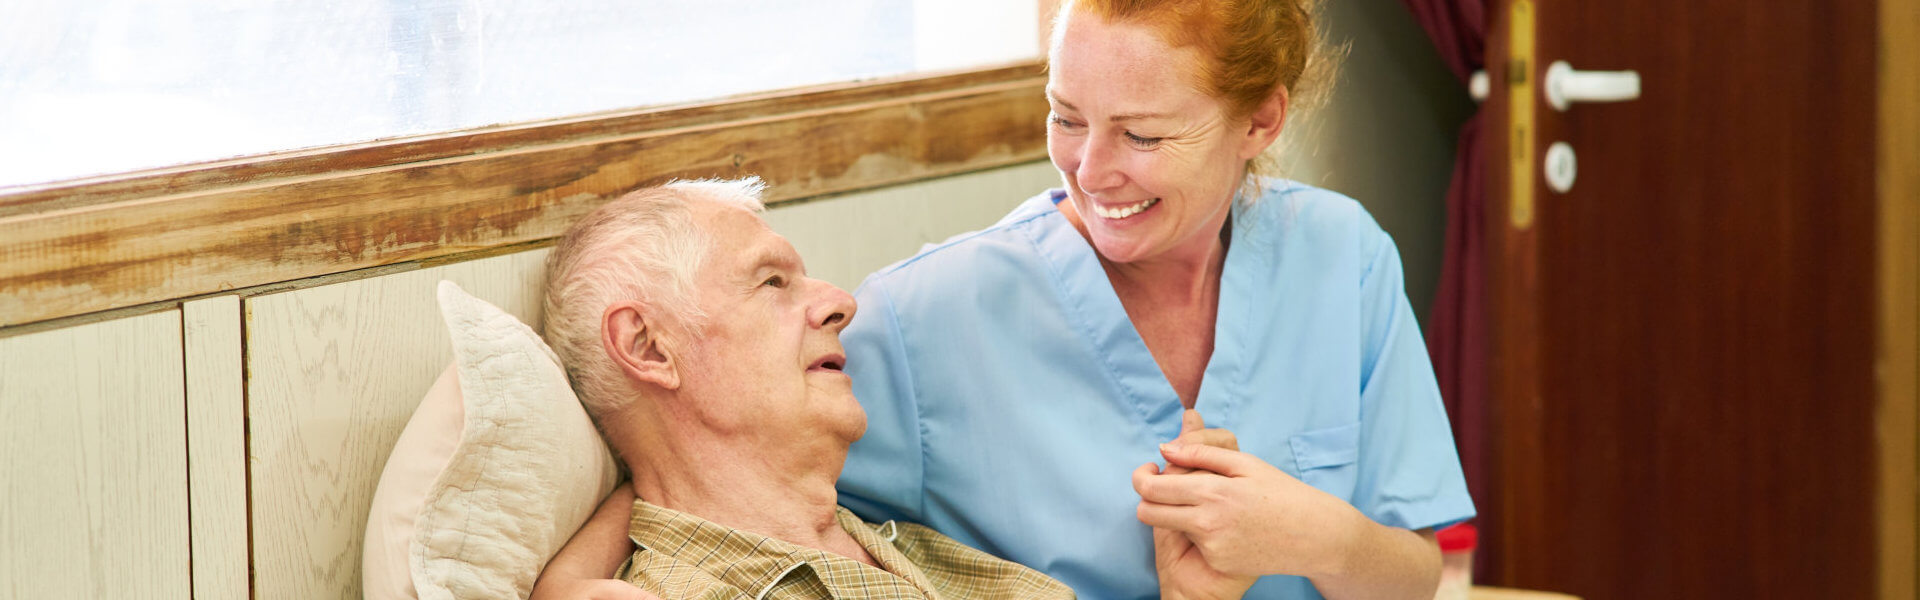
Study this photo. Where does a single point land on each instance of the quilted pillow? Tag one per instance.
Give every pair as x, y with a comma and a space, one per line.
497, 467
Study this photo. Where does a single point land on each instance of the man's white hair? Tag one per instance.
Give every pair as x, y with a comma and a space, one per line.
643, 246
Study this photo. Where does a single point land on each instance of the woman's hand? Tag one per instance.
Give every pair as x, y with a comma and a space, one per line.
581, 569
1184, 572
1244, 516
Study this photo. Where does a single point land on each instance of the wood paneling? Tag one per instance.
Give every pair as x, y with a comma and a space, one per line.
334, 372
216, 447
1899, 360
193, 231
893, 223
93, 462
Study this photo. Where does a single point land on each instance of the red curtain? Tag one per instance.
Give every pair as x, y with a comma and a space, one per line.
1457, 332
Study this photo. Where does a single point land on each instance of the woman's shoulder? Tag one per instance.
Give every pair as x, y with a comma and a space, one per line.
1295, 213
1291, 204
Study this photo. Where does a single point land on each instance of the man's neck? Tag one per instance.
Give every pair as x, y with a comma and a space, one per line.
788, 496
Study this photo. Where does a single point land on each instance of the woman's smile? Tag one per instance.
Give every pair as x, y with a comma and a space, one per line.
1116, 213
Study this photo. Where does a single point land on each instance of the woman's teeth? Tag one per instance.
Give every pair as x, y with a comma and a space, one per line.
1124, 211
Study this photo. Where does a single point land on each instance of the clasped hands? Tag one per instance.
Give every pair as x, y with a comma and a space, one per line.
1221, 518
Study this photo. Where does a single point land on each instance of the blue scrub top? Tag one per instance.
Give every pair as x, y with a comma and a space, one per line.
1009, 398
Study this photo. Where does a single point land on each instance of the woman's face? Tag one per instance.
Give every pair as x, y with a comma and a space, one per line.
1150, 163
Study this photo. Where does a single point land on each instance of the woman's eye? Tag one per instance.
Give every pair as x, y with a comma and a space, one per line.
1062, 123
1143, 142
775, 281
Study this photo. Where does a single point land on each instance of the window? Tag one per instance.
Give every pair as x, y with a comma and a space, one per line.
90, 87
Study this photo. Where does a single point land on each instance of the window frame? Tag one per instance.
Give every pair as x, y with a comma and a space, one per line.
155, 237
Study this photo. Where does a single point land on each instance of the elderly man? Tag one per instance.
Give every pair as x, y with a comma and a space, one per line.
713, 365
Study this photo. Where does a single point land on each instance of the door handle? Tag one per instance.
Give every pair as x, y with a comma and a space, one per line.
1565, 86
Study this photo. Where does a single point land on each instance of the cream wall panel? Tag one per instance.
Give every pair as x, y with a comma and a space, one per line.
333, 374
216, 446
93, 462
844, 238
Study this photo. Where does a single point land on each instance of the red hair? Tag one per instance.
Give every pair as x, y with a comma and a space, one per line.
1250, 48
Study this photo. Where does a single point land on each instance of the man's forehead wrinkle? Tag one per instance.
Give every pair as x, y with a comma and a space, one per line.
773, 252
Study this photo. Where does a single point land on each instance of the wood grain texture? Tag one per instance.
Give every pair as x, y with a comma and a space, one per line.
334, 372
93, 462
1898, 418
194, 232
848, 237
1697, 404
216, 447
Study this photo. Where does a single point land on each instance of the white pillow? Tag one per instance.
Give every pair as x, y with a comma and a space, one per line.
497, 468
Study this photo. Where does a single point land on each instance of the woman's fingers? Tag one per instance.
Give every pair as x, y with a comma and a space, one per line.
1179, 489
1231, 463
1184, 519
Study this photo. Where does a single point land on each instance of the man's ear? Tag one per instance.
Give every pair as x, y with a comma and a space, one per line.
638, 345
1264, 124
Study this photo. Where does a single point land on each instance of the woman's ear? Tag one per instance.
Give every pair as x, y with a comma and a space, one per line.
639, 346
1263, 126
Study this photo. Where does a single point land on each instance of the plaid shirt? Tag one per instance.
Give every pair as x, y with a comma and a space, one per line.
683, 556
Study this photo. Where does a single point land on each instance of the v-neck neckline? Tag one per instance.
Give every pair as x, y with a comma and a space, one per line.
1103, 321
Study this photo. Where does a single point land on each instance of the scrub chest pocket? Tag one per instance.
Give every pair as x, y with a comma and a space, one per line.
1325, 458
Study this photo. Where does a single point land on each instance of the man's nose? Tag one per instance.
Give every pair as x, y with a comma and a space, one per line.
834, 307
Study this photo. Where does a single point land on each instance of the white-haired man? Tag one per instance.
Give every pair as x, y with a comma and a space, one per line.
713, 365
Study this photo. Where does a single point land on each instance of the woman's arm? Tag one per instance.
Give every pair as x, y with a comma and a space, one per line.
585, 566
1386, 562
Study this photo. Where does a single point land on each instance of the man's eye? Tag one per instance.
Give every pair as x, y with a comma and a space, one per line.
775, 281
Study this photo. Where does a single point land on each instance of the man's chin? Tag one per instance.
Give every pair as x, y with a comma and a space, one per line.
860, 430
851, 424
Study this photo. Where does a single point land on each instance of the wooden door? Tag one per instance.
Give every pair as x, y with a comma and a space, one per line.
1684, 346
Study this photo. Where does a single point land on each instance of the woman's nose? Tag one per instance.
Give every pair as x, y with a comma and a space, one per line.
1097, 169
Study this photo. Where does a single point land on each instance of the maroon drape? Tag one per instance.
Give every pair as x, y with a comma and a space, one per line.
1457, 328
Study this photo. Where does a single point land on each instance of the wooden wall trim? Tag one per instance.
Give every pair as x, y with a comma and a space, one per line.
216, 447
321, 161
80, 247
1898, 172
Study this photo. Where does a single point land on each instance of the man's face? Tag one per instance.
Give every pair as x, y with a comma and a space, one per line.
768, 365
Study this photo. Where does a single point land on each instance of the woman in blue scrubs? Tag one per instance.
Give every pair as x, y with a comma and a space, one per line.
1024, 382
1017, 379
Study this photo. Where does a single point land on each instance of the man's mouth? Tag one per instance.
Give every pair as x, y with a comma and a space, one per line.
832, 362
